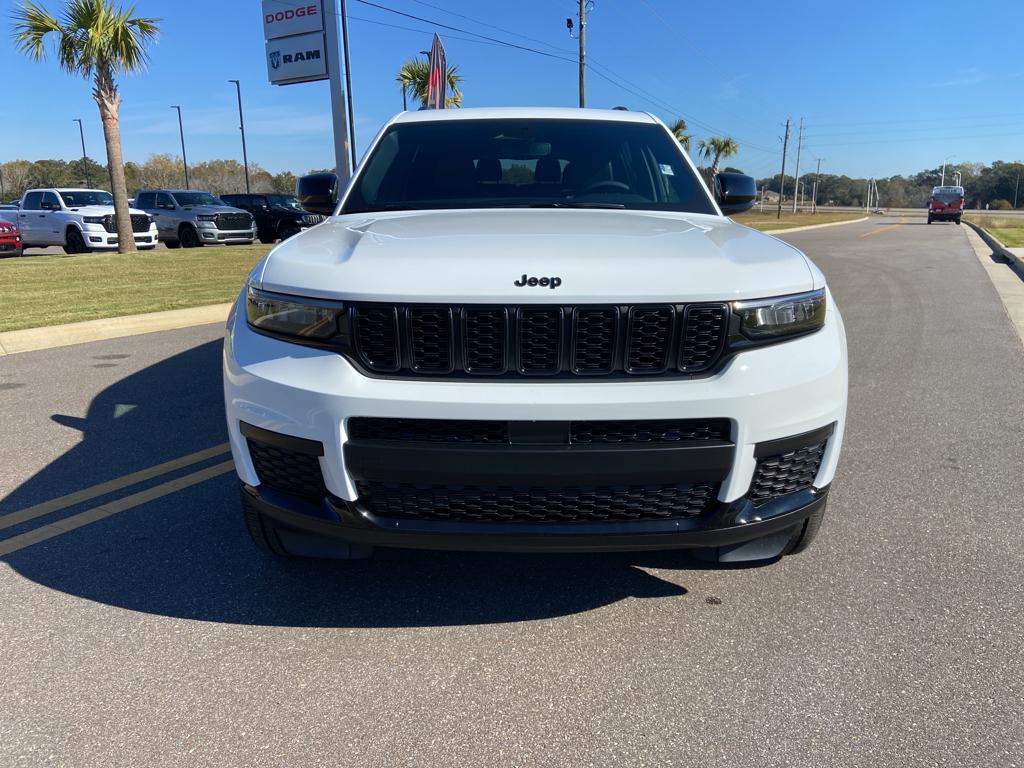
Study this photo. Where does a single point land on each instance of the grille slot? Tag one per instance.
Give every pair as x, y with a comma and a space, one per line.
595, 333
786, 472
428, 430
287, 471
540, 341
430, 334
703, 337
140, 223
485, 340
523, 504
650, 338
376, 338
649, 431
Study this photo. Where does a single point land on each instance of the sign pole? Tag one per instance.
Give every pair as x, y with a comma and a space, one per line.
332, 26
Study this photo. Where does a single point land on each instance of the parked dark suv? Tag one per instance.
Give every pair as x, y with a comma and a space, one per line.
278, 217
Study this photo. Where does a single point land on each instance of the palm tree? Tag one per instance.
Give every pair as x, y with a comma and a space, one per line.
678, 129
715, 148
98, 41
414, 77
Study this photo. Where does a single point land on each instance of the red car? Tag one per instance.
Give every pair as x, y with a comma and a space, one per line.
946, 204
10, 239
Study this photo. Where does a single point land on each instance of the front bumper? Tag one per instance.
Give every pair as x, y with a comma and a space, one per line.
213, 235
768, 394
99, 239
10, 245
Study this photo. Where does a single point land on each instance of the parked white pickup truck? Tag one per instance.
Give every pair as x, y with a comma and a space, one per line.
79, 220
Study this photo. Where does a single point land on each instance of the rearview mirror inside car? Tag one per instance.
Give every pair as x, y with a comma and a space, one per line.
735, 192
318, 192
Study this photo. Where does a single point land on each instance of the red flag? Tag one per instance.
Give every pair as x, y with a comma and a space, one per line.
438, 79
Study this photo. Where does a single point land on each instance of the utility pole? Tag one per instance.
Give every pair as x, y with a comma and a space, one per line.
241, 127
181, 132
814, 189
334, 39
867, 203
85, 164
782, 176
796, 174
581, 36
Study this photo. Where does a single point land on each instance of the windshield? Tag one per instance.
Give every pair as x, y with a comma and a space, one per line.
196, 198
79, 198
284, 201
514, 163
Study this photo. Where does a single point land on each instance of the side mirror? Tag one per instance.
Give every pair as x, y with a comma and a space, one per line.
735, 192
318, 192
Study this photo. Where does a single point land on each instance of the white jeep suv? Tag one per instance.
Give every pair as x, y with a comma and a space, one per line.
534, 329
80, 220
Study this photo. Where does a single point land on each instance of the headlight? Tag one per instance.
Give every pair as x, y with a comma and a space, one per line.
211, 217
92, 219
5, 228
292, 316
767, 319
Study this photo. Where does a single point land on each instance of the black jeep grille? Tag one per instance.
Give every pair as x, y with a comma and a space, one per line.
539, 341
233, 221
786, 472
525, 504
312, 219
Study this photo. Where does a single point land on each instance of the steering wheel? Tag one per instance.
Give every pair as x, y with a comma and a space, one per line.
607, 185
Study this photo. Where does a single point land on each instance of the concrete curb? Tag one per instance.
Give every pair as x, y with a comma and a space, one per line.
1006, 279
47, 337
1000, 250
810, 226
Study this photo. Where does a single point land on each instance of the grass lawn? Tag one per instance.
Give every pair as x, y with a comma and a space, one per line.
1006, 229
50, 290
766, 221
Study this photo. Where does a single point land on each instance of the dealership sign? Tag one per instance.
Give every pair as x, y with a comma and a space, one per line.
297, 59
284, 18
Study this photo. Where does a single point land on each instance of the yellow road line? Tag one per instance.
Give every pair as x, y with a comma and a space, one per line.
903, 220
62, 502
60, 527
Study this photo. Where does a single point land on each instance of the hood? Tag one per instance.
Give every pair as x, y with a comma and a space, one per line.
478, 256
211, 209
103, 210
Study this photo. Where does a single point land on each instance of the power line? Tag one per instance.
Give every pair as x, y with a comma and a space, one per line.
494, 26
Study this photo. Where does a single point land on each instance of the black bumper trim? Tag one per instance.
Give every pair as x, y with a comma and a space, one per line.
731, 523
279, 440
793, 442
539, 464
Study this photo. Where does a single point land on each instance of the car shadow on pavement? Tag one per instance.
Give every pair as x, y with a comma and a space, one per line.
187, 554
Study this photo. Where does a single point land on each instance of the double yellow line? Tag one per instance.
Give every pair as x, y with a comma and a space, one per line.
903, 220
49, 531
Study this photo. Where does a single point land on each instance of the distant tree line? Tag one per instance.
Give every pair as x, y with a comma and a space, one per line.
992, 185
159, 170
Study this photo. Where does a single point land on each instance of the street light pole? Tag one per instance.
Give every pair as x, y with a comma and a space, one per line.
348, 85
181, 132
85, 165
942, 182
241, 127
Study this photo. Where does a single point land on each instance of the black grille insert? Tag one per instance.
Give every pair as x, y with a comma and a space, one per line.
140, 223
649, 431
288, 471
539, 341
233, 221
524, 504
428, 430
787, 472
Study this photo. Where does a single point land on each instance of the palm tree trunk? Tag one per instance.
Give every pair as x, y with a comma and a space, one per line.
108, 100
714, 165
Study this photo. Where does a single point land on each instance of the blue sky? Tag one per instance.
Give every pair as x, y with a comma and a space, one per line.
884, 87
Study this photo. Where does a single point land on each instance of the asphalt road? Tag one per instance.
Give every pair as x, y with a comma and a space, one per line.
158, 636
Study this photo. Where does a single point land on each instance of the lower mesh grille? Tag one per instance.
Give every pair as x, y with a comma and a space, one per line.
649, 431
429, 430
786, 472
287, 471
521, 504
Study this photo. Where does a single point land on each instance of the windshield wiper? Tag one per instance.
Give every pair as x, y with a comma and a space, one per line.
572, 204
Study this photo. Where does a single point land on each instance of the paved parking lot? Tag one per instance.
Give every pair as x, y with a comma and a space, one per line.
143, 629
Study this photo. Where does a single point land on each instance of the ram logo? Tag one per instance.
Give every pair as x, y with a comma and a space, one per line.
275, 59
301, 56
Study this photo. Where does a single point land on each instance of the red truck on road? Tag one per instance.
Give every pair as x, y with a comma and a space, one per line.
946, 204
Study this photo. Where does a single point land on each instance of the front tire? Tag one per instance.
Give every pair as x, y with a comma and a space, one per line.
189, 238
288, 230
172, 244
929, 219
74, 242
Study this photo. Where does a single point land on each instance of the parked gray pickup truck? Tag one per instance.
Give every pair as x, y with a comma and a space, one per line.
190, 218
